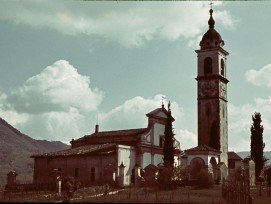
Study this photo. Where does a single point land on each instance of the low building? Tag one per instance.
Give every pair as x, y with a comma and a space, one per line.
202, 158
235, 163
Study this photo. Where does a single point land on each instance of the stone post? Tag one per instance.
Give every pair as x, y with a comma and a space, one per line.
121, 175
137, 175
11, 178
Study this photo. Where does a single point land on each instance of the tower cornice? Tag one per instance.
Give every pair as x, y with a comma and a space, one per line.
217, 76
213, 49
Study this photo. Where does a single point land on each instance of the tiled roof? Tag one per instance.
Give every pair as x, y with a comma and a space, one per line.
233, 156
202, 148
87, 149
129, 132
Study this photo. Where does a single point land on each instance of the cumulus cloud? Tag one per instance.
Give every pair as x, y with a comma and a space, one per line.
187, 139
57, 88
128, 23
260, 77
55, 104
132, 113
58, 104
240, 121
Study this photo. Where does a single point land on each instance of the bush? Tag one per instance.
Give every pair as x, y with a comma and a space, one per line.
165, 179
205, 179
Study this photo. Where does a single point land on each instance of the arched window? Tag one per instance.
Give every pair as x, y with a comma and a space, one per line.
222, 64
208, 66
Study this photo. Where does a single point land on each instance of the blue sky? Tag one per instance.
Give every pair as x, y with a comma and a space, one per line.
62, 63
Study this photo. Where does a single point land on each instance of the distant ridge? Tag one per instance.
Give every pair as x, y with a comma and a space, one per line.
16, 149
267, 154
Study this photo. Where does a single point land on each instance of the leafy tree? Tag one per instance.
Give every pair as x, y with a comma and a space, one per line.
168, 149
257, 145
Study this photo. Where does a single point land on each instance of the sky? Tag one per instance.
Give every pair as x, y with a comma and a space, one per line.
66, 65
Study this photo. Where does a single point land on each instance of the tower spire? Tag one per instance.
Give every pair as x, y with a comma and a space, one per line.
163, 102
211, 21
169, 106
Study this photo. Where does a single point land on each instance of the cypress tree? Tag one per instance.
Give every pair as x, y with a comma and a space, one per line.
257, 145
168, 149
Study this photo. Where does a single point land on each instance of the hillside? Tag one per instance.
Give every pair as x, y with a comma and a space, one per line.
267, 154
15, 151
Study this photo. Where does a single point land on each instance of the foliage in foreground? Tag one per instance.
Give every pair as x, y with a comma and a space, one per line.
205, 179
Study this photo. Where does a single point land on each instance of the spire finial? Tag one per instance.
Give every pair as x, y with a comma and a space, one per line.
211, 5
163, 102
211, 21
169, 106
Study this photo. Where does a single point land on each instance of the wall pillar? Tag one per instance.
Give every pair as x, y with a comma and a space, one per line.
121, 175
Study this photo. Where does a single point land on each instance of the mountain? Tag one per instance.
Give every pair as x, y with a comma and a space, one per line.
267, 154
16, 149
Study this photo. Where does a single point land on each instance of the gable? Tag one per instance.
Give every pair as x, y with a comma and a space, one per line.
158, 113
162, 114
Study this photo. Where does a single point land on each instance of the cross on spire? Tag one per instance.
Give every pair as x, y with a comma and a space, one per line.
211, 4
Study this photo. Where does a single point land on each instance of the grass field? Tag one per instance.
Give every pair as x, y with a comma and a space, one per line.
182, 195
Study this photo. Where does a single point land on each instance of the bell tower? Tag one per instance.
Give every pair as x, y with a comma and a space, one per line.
212, 92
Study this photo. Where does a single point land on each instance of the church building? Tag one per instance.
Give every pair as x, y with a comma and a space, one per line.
120, 157
130, 156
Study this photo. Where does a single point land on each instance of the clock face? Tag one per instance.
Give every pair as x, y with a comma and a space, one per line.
207, 88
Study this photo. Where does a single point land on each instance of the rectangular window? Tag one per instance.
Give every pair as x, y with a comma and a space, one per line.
76, 173
161, 141
92, 174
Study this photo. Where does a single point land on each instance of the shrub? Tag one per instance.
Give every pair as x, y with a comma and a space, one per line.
205, 179
165, 179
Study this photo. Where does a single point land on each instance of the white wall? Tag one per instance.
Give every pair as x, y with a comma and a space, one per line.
157, 158
206, 158
126, 155
146, 159
158, 129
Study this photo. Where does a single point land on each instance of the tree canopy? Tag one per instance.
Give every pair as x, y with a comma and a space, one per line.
168, 149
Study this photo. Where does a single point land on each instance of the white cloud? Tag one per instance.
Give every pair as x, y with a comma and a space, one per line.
132, 113
240, 120
128, 23
187, 139
57, 88
56, 104
260, 77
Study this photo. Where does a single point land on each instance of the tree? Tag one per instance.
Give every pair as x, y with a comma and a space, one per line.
257, 145
168, 149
